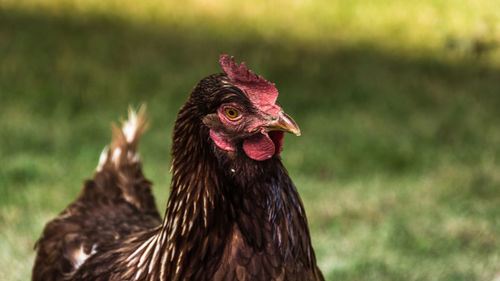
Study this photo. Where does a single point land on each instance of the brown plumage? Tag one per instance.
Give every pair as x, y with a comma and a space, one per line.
233, 211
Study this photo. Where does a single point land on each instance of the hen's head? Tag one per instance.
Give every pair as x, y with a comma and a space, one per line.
241, 112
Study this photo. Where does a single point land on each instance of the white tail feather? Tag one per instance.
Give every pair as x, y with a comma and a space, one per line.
130, 126
125, 140
103, 158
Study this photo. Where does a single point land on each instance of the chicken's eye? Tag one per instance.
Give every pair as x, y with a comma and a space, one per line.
231, 113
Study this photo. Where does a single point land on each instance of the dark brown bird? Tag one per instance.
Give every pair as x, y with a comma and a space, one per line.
233, 211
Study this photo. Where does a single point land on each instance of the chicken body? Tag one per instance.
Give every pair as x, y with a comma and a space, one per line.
233, 211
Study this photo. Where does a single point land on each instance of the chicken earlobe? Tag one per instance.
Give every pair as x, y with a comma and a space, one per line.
221, 141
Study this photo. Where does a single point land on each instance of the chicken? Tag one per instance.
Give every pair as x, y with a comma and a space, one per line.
233, 212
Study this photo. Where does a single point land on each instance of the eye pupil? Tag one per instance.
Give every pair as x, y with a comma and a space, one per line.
231, 112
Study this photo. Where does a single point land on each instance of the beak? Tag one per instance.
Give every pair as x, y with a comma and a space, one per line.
284, 123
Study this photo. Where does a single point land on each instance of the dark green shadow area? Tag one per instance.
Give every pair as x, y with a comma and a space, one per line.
420, 124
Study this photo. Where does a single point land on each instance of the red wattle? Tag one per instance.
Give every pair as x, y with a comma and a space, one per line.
259, 147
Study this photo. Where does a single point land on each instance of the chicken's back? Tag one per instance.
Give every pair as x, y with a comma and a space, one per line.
116, 202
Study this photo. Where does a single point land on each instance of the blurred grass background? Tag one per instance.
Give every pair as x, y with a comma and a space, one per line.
398, 164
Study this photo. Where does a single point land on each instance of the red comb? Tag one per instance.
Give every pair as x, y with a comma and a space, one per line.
261, 93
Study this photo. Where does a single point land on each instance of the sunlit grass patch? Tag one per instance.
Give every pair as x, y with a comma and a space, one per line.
457, 28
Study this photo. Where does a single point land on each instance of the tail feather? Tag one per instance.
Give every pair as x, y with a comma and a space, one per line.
128, 137
123, 149
120, 164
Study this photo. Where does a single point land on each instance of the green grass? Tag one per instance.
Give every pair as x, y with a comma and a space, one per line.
398, 101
